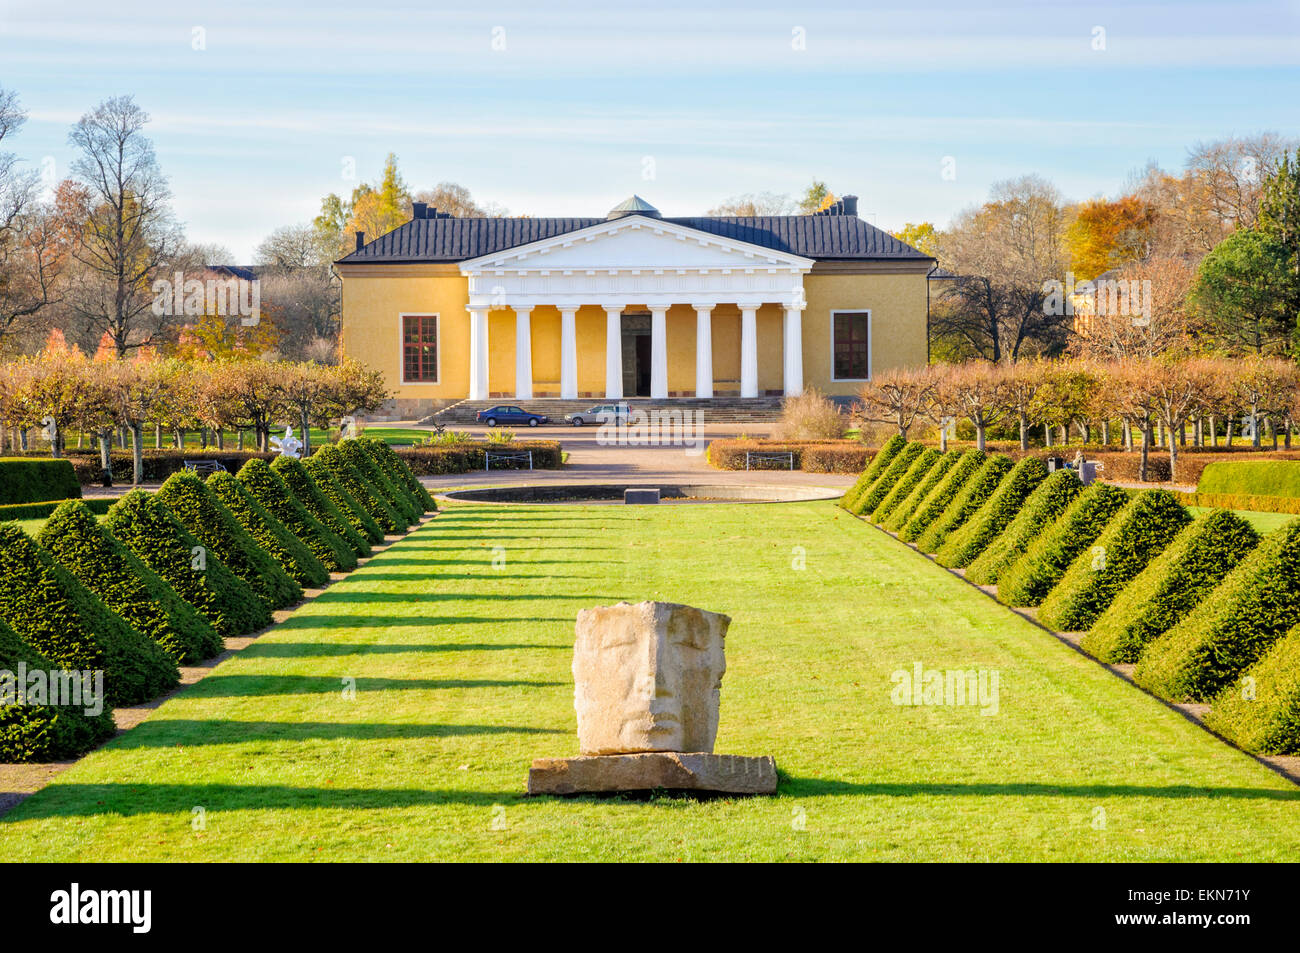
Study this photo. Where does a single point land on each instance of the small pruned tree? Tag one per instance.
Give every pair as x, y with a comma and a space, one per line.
899, 397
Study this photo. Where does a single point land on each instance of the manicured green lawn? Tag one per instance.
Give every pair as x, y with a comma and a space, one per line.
462, 677
1264, 522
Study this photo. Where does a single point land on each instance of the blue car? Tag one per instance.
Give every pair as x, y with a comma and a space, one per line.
509, 414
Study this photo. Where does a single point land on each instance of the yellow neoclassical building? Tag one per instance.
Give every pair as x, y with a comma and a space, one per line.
632, 305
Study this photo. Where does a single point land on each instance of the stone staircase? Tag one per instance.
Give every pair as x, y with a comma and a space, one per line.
718, 410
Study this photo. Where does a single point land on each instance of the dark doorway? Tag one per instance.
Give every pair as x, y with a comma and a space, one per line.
636, 355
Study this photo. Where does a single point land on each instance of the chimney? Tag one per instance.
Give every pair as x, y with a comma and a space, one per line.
850, 203
418, 209
361, 240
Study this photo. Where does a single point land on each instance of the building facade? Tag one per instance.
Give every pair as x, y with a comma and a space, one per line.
632, 305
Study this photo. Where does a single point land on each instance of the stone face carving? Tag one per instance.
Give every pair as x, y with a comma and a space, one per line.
647, 677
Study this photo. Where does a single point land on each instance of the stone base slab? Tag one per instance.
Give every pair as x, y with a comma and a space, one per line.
666, 770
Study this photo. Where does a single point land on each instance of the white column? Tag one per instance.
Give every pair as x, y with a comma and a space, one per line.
614, 352
568, 354
659, 353
748, 352
793, 351
478, 353
523, 353
703, 350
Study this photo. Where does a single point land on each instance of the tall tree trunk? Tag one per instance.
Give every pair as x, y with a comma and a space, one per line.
137, 452
1214, 432
1047, 435
306, 434
1146, 449
1173, 452
106, 456
1024, 431
1128, 436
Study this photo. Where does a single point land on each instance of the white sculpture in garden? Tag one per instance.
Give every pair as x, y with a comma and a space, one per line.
288, 445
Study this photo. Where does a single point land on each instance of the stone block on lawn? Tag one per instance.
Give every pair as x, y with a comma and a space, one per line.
651, 771
640, 495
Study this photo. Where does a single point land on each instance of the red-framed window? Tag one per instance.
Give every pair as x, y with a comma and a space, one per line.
852, 346
420, 348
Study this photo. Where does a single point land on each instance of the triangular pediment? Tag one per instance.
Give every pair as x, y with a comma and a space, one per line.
635, 242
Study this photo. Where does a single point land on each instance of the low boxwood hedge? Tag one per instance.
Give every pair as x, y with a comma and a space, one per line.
126, 585
977, 533
1238, 501
200, 511
1232, 628
1043, 507
884, 456
906, 484
399, 471
1171, 586
1252, 478
358, 516
1261, 711
875, 494
464, 457
289, 552
388, 519
906, 508
35, 480
308, 492
34, 511
973, 495
265, 486
64, 621
938, 500
354, 453
1138, 534
30, 732
1028, 580
142, 524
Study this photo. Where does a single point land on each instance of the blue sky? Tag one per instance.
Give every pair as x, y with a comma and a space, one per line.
558, 109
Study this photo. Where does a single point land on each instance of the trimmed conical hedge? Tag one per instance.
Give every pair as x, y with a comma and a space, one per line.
371, 500
200, 511
922, 465
1043, 507
977, 533
30, 732
265, 486
126, 585
65, 622
308, 492
875, 494
875, 466
1261, 711
143, 525
906, 508
1232, 628
400, 472
1028, 580
1171, 586
353, 511
974, 493
286, 549
1137, 535
355, 453
938, 500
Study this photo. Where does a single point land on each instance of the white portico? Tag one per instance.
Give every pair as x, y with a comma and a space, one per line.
636, 266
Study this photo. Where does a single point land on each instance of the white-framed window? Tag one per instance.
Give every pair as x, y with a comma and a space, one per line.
851, 345
421, 351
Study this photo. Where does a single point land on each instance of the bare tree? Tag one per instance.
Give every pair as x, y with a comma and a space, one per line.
898, 397
756, 203
129, 232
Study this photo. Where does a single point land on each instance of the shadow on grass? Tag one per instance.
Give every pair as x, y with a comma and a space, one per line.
344, 622
194, 732
243, 686
332, 649
817, 787
88, 800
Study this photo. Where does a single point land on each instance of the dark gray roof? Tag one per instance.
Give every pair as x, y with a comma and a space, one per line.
821, 237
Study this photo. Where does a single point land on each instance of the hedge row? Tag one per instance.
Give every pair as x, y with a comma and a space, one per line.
28, 480
1138, 534
402, 477
1043, 507
267, 488
1171, 586
158, 464
319, 505
162, 579
1252, 478
883, 458
874, 495
366, 494
933, 506
973, 494
906, 508
358, 516
1262, 714
462, 458
908, 482
963, 546
1233, 628
34, 511
1234, 501
1030, 578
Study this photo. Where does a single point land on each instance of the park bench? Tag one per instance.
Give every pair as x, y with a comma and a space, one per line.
204, 467
507, 456
757, 459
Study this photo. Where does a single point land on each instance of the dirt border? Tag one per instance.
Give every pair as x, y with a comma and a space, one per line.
20, 781
1288, 766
